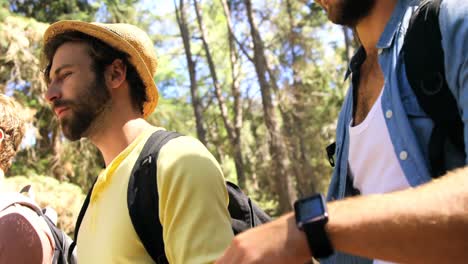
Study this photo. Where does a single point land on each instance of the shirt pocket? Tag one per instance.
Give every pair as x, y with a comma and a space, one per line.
408, 98
412, 107
420, 122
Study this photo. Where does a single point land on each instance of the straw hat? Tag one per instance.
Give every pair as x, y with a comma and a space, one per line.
123, 37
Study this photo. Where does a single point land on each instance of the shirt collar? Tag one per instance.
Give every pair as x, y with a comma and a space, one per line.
386, 39
358, 58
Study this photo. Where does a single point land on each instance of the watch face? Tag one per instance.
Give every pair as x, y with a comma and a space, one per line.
309, 208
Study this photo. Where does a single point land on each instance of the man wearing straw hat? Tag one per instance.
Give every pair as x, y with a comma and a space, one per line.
101, 86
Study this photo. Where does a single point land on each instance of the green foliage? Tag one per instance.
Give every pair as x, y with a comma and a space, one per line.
19, 53
174, 114
54, 10
80, 163
24, 166
270, 206
308, 74
120, 11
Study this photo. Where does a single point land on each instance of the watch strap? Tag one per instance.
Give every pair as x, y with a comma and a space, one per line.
317, 238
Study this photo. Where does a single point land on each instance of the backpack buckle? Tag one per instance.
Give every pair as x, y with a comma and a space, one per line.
146, 161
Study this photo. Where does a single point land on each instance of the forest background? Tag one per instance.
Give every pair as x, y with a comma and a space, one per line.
259, 82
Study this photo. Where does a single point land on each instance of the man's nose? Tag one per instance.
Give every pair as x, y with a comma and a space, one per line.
53, 93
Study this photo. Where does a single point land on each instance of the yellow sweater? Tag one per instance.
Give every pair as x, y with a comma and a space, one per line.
192, 207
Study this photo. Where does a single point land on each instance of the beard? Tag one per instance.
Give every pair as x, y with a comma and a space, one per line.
350, 12
84, 110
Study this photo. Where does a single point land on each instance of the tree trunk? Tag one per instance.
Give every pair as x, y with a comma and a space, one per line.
196, 102
233, 131
238, 115
284, 185
302, 168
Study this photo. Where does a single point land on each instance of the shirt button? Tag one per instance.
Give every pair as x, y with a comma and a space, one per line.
389, 114
379, 51
403, 155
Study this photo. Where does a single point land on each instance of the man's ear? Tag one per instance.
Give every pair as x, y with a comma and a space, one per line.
116, 74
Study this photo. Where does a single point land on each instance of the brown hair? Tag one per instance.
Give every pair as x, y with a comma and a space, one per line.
13, 126
102, 56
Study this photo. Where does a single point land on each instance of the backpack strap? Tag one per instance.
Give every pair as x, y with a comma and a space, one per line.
62, 252
424, 61
142, 196
242, 217
79, 220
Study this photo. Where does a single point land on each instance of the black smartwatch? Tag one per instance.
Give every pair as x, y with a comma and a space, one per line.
311, 217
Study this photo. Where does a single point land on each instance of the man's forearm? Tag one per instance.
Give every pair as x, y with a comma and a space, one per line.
428, 224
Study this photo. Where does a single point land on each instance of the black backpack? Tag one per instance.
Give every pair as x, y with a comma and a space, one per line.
424, 61
142, 200
63, 253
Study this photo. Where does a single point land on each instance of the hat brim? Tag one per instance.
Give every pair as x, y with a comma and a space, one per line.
113, 39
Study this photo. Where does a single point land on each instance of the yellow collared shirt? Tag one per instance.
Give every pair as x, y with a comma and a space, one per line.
192, 207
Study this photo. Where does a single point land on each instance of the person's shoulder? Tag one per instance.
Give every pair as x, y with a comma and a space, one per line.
180, 143
184, 156
186, 150
454, 5
185, 145
453, 14
23, 230
453, 21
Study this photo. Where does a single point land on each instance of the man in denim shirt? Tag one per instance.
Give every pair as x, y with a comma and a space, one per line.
382, 147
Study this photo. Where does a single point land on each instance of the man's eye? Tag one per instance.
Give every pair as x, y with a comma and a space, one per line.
66, 74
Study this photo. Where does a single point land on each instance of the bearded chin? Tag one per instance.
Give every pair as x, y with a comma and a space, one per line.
86, 111
350, 12
77, 126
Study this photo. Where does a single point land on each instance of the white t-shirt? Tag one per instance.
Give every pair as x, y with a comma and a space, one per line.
372, 160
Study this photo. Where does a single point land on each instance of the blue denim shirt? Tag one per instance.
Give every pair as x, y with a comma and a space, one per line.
408, 125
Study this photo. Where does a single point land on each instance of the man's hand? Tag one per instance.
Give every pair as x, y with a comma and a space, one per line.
276, 242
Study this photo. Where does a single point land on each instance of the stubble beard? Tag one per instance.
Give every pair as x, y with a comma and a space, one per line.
350, 12
87, 111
